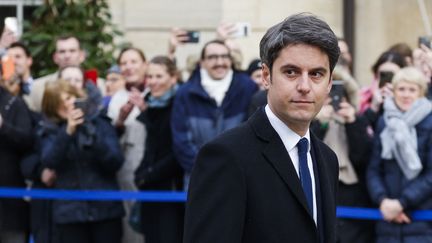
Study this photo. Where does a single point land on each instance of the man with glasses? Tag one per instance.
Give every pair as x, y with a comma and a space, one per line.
215, 98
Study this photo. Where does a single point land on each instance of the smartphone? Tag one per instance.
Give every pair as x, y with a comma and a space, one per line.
193, 36
81, 104
243, 29
385, 77
425, 40
337, 93
12, 24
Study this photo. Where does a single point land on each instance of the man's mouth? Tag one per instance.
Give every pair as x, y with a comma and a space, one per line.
219, 67
302, 101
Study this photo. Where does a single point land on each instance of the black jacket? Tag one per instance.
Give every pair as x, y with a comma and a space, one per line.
87, 160
42, 226
15, 141
159, 170
244, 188
386, 180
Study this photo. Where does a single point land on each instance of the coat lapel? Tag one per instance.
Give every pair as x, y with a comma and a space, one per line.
276, 154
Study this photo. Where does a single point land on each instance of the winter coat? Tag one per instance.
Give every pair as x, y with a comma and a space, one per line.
132, 141
386, 180
42, 226
87, 160
15, 140
159, 170
196, 118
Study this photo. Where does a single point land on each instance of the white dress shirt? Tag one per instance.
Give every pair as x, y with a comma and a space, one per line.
290, 139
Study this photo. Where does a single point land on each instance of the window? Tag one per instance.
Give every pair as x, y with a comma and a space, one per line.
21, 9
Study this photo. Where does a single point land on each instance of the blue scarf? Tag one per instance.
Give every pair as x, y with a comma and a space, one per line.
162, 101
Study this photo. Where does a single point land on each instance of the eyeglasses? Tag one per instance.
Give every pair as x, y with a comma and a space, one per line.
214, 57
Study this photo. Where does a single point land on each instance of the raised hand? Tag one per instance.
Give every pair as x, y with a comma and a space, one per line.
75, 118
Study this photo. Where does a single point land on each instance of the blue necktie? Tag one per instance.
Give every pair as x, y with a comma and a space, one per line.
305, 176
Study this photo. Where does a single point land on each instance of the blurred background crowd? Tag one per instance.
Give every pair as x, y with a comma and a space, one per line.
81, 113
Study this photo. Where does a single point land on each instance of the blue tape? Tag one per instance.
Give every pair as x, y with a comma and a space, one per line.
168, 196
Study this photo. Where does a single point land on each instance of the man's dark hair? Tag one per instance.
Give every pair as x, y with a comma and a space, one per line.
22, 46
68, 36
220, 42
303, 28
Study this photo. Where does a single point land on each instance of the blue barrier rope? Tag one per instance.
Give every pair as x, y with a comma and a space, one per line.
96, 195
165, 196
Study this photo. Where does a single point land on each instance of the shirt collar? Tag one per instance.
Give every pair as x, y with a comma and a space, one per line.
288, 136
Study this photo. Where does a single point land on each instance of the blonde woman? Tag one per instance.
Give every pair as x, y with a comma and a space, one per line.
400, 171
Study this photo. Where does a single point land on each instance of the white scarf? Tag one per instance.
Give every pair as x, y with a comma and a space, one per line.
399, 137
216, 89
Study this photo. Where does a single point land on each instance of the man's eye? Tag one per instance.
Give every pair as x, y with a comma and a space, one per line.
290, 72
317, 74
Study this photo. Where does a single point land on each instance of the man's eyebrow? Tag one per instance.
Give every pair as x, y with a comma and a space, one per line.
289, 66
317, 69
320, 69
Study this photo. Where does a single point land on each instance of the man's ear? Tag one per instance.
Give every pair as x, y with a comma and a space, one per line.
55, 59
30, 61
266, 79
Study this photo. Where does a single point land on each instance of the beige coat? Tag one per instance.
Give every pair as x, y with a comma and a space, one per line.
133, 144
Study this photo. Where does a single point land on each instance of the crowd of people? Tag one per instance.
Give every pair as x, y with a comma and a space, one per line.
141, 126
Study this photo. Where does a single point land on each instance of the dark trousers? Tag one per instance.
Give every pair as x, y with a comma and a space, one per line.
107, 231
162, 222
355, 231
43, 227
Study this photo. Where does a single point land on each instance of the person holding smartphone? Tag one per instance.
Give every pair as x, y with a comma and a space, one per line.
85, 155
91, 105
338, 125
372, 97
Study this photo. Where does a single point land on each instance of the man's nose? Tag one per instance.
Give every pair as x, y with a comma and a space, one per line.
150, 81
128, 65
303, 83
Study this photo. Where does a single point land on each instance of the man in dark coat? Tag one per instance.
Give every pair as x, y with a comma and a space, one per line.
15, 140
271, 180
